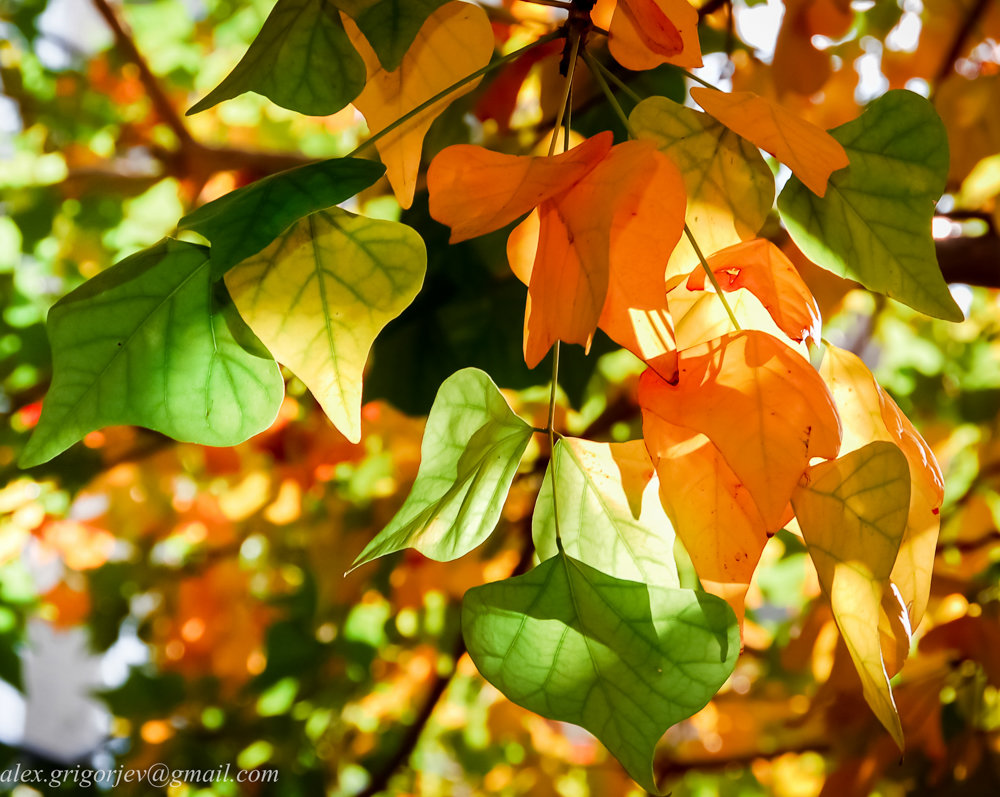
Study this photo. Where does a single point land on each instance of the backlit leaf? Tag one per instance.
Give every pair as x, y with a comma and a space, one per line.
729, 187
765, 271
760, 403
622, 659
470, 452
609, 511
874, 224
390, 26
852, 512
868, 413
809, 151
244, 221
320, 294
475, 190
301, 59
146, 343
710, 509
647, 33
455, 41
579, 239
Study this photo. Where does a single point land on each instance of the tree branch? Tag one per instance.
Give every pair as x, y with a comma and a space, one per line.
970, 22
126, 46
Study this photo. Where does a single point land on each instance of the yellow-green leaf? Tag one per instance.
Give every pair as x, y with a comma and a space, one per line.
318, 296
852, 514
730, 190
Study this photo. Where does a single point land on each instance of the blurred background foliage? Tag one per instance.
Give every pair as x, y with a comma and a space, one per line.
166, 602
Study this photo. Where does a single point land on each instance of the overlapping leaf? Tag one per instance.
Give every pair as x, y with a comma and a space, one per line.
610, 517
602, 256
809, 151
389, 26
729, 187
147, 343
244, 221
765, 271
709, 508
874, 223
301, 59
470, 452
647, 33
852, 512
475, 191
455, 41
760, 403
622, 659
869, 414
320, 294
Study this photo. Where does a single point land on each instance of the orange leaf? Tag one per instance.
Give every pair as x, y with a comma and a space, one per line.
475, 191
765, 271
869, 414
762, 405
710, 509
810, 152
615, 228
645, 230
647, 33
455, 41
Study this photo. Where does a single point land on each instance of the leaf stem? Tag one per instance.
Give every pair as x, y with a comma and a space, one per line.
453, 87
567, 89
592, 62
552, 441
612, 100
554, 3
697, 79
711, 277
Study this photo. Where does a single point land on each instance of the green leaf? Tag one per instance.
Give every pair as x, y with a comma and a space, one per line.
318, 296
389, 25
622, 659
143, 343
301, 59
729, 187
874, 224
244, 221
470, 452
610, 516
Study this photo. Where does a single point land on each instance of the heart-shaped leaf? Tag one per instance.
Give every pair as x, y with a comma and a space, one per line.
147, 343
622, 659
319, 295
874, 223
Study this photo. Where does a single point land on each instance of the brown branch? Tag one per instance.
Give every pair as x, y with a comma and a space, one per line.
411, 737
970, 22
123, 41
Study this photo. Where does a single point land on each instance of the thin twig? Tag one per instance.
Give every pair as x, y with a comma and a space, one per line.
711, 276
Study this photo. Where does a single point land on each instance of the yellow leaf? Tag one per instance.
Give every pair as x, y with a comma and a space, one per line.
455, 41
729, 187
319, 295
761, 404
852, 513
809, 151
868, 413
